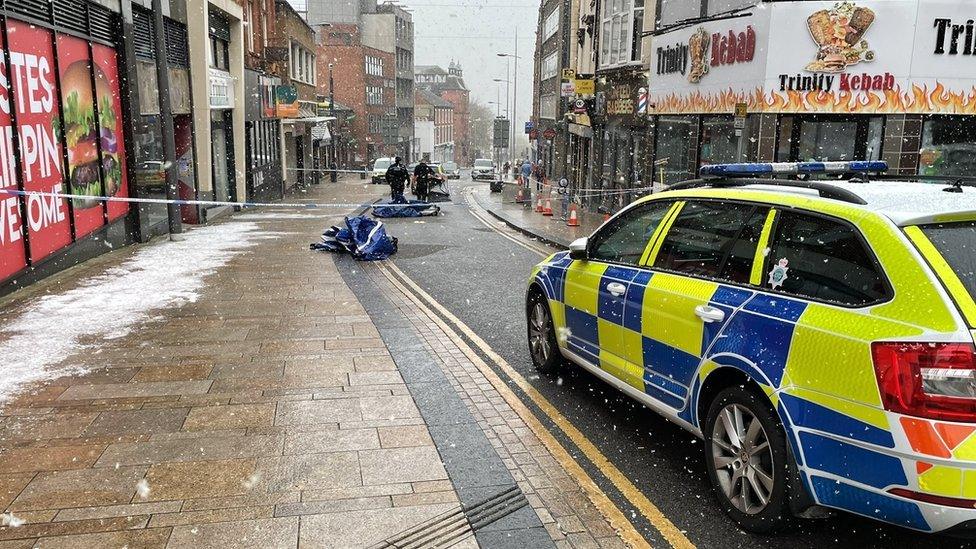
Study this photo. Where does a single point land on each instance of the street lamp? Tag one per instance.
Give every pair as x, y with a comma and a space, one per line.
516, 57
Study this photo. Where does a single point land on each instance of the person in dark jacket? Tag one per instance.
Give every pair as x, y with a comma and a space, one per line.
423, 174
397, 176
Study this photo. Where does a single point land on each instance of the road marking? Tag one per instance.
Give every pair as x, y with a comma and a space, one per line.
614, 515
475, 209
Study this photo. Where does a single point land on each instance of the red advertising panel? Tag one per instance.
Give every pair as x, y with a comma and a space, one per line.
110, 127
13, 256
36, 100
80, 133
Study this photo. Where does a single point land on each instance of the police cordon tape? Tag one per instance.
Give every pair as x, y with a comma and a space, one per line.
179, 202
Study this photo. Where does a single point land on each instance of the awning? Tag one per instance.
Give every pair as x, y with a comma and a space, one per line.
321, 132
308, 120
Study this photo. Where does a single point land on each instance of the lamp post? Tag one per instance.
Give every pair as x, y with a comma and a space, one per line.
508, 114
516, 57
173, 211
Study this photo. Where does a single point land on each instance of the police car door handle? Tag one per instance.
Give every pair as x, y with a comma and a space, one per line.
709, 314
616, 289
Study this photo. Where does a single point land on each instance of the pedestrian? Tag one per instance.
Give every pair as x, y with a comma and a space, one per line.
422, 175
397, 176
526, 173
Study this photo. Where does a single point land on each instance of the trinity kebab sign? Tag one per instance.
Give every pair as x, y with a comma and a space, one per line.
891, 56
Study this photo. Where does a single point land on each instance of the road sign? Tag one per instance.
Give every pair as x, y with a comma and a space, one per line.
549, 134
501, 133
585, 86
568, 89
741, 110
529, 126
579, 106
533, 134
569, 74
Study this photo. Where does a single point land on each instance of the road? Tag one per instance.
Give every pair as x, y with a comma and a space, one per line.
479, 274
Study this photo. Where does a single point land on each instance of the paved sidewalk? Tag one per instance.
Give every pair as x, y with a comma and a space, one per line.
525, 219
248, 399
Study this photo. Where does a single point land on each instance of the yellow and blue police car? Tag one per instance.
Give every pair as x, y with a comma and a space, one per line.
818, 335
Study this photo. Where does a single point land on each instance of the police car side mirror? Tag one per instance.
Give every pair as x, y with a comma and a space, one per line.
577, 250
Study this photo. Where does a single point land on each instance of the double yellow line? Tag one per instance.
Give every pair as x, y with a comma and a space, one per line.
440, 315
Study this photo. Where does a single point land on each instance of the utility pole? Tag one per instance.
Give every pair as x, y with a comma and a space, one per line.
335, 125
166, 120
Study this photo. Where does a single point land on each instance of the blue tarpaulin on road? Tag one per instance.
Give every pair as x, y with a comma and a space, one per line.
363, 238
401, 207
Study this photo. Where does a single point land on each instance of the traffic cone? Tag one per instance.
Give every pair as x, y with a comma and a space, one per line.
547, 210
538, 204
519, 197
573, 220
606, 217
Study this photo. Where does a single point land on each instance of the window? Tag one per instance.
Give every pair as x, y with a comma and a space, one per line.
948, 144
374, 66
622, 26
249, 22
626, 240
713, 240
550, 65
955, 242
375, 124
547, 107
374, 95
219, 55
827, 261
551, 25
673, 147
302, 64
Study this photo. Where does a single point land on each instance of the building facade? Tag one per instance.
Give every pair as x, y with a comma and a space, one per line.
390, 29
365, 81
449, 85
435, 127
550, 137
262, 126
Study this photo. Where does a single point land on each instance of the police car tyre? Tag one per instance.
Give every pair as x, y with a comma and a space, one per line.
543, 346
746, 459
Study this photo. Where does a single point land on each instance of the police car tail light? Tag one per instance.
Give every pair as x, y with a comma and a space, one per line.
929, 380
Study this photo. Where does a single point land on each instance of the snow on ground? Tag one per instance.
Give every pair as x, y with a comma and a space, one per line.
109, 306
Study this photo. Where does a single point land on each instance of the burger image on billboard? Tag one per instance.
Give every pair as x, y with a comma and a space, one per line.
81, 133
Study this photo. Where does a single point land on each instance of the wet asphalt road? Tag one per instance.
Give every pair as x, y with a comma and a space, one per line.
480, 277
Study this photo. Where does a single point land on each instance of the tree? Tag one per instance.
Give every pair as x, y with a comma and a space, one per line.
481, 127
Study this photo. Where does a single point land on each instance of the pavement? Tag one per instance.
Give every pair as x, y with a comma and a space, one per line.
264, 395
523, 217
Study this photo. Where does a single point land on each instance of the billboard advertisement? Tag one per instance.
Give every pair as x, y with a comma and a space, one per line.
109, 97
13, 255
80, 133
69, 130
35, 99
894, 56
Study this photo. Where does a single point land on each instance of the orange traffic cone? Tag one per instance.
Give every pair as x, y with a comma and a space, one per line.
573, 220
538, 205
606, 217
519, 197
547, 210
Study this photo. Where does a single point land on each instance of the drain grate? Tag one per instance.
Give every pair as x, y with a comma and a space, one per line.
450, 527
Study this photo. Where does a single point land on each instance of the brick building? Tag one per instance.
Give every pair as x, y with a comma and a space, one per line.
434, 127
365, 81
450, 86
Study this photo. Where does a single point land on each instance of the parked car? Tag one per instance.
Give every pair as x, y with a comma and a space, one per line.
379, 169
817, 335
452, 170
483, 169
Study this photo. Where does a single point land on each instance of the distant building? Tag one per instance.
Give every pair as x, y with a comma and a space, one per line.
390, 29
364, 80
262, 127
434, 126
449, 85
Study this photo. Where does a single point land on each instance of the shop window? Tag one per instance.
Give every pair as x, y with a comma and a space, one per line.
830, 138
948, 146
719, 145
673, 148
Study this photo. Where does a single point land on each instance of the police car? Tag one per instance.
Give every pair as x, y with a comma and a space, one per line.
818, 335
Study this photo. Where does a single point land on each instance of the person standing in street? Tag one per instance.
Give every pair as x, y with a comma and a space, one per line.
526, 173
422, 175
397, 176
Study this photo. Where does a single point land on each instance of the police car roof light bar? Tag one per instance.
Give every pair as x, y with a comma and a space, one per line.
824, 189
793, 168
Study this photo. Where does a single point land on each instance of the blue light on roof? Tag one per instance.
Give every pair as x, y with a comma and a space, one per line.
787, 168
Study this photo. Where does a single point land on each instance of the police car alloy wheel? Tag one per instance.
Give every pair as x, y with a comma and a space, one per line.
542, 335
746, 457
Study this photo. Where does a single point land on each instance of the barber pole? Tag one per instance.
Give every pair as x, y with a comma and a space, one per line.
642, 101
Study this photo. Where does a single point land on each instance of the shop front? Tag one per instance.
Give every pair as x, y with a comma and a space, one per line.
61, 132
797, 81
620, 133
262, 138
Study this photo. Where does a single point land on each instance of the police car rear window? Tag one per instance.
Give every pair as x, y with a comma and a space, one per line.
957, 244
822, 259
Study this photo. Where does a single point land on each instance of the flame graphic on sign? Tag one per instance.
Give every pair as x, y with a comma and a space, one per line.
919, 100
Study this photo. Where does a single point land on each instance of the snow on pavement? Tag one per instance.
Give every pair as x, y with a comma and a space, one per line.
109, 306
